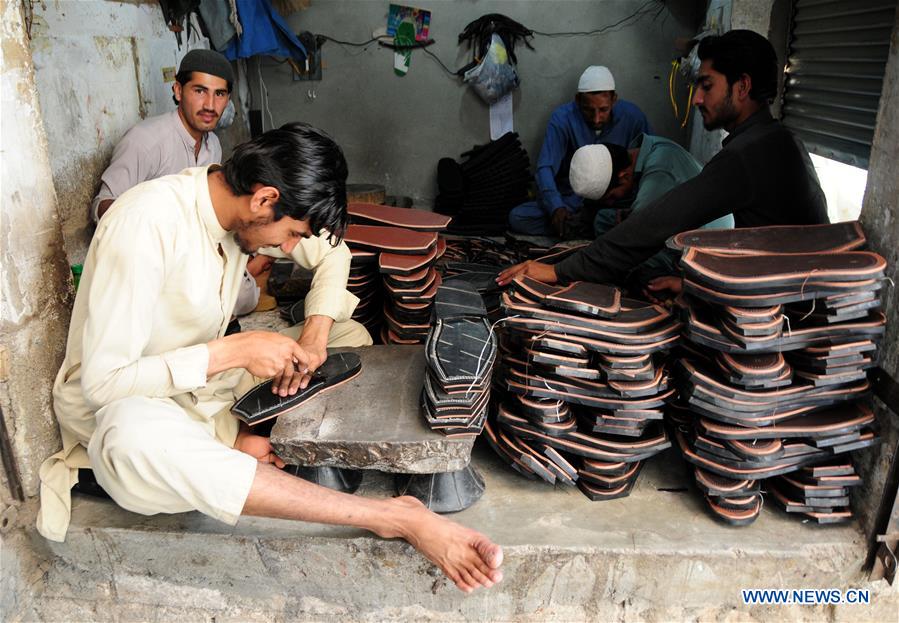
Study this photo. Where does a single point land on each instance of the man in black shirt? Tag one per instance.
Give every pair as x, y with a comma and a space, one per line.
763, 174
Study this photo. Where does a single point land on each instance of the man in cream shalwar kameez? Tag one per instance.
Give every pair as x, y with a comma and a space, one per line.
144, 392
125, 349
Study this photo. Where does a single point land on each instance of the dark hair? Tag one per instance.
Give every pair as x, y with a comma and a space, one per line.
621, 159
183, 77
305, 165
739, 52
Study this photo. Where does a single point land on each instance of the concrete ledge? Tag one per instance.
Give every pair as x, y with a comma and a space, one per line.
653, 556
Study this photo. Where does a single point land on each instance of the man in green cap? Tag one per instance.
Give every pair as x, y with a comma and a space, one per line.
174, 141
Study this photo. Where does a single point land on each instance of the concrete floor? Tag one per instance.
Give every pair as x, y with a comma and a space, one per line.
652, 519
656, 555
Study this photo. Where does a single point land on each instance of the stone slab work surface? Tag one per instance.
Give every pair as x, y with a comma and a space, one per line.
373, 421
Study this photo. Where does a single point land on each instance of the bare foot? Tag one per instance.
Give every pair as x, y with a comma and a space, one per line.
466, 556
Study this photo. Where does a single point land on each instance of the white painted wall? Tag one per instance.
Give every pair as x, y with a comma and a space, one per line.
98, 69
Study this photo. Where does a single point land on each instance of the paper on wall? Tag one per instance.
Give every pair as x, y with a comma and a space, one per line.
501, 116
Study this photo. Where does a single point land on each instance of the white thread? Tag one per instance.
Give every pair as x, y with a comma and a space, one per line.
490, 333
811, 311
804, 281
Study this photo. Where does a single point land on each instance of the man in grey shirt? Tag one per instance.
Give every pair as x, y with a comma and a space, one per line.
171, 142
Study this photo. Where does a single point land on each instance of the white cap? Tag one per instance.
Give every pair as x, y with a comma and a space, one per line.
591, 171
596, 78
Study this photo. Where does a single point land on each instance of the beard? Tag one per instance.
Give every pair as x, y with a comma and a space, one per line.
243, 245
723, 115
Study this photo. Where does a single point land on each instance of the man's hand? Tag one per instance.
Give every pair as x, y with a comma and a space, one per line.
256, 446
662, 289
261, 353
103, 206
535, 270
558, 221
259, 264
314, 340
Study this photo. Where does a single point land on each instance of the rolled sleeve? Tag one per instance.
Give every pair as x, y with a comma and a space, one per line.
328, 295
187, 366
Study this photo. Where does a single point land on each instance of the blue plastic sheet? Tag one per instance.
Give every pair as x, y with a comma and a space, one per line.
264, 32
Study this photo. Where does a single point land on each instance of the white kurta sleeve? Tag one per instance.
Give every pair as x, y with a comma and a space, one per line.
133, 254
328, 295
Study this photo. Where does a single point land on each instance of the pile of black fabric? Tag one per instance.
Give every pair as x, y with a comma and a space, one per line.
781, 324
583, 379
480, 191
460, 353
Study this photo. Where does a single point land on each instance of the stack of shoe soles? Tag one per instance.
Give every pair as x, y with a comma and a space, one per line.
460, 353
480, 191
781, 324
400, 245
820, 492
492, 251
584, 380
482, 278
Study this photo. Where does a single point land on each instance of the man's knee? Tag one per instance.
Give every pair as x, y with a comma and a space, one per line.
133, 448
343, 334
127, 440
349, 334
518, 218
528, 219
123, 430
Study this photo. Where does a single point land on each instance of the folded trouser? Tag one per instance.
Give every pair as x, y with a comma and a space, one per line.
349, 333
152, 457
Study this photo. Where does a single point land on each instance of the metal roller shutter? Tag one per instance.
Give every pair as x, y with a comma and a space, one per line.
837, 57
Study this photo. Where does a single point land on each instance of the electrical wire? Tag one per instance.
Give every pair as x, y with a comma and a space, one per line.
642, 11
674, 65
264, 99
687, 111
437, 58
353, 44
636, 16
672, 97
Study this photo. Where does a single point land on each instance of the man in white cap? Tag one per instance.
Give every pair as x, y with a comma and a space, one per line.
595, 116
174, 141
763, 174
649, 168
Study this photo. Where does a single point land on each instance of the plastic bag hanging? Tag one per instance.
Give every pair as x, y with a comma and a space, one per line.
495, 75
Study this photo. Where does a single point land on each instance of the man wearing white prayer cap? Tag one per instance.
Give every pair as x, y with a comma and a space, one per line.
607, 174
595, 116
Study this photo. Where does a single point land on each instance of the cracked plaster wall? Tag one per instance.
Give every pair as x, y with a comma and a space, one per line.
99, 70
35, 286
